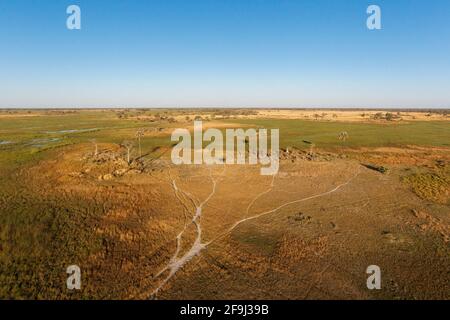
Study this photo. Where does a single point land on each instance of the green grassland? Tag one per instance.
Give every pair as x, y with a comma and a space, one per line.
30, 136
325, 134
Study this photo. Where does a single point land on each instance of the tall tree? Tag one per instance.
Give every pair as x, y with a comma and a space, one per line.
128, 145
139, 135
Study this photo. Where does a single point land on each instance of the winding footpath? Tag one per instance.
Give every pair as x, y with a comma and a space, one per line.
176, 263
278, 208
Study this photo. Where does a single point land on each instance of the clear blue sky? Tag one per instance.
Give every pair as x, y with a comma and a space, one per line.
280, 53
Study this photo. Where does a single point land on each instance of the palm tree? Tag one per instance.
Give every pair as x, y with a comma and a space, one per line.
343, 136
127, 144
139, 135
94, 142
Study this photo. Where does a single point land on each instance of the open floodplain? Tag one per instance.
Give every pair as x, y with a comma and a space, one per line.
98, 189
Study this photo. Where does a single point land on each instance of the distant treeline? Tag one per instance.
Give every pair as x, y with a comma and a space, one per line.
223, 110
